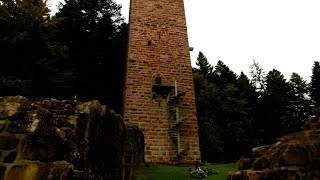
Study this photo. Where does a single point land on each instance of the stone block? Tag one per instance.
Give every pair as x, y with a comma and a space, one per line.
10, 157
61, 170
2, 126
245, 163
73, 120
296, 154
11, 105
8, 142
2, 172
18, 127
259, 151
283, 173
37, 171
261, 163
92, 142
23, 127
43, 148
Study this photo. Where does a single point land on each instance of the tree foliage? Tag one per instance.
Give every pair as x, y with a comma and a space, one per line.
236, 113
274, 104
224, 104
300, 105
96, 37
22, 38
315, 84
258, 76
204, 67
79, 51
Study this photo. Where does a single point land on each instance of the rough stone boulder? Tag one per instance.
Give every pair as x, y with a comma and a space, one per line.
60, 139
12, 105
294, 156
134, 150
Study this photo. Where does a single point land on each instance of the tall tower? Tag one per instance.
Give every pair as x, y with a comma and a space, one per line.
159, 91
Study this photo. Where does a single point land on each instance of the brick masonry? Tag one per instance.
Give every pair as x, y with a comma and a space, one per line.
158, 46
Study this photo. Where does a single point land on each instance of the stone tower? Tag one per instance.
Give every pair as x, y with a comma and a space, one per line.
159, 91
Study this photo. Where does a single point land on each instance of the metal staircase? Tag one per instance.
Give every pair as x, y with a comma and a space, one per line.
174, 132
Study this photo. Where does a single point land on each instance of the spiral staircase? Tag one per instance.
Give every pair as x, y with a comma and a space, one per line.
173, 100
173, 96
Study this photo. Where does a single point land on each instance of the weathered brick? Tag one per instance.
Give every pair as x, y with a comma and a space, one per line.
158, 46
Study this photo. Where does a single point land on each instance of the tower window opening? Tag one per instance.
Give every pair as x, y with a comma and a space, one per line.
158, 80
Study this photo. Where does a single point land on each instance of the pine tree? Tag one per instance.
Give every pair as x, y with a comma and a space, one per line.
224, 106
315, 84
204, 67
96, 36
222, 75
23, 42
246, 88
275, 103
300, 104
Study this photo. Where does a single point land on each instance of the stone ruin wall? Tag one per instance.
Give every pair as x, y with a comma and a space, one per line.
51, 139
293, 156
158, 47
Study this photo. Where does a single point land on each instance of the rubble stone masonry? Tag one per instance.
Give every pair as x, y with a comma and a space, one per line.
158, 47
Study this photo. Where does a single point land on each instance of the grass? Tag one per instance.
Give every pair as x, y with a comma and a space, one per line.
169, 172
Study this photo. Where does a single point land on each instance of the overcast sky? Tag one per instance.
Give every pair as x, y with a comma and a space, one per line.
281, 34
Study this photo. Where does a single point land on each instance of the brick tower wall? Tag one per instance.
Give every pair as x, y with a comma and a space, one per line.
158, 47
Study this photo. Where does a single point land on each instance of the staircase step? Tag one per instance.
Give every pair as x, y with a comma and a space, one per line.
177, 124
173, 99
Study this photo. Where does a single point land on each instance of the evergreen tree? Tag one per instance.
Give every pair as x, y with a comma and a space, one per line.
224, 105
275, 103
222, 75
80, 51
96, 36
237, 113
204, 67
299, 104
23, 43
207, 96
315, 84
247, 89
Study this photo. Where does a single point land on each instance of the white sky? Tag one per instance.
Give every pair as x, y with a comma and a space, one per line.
281, 34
